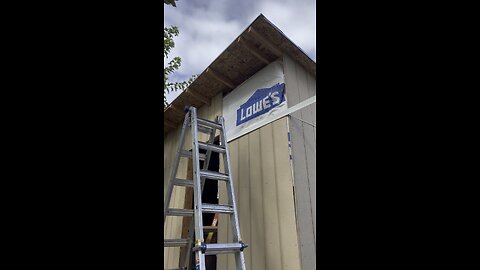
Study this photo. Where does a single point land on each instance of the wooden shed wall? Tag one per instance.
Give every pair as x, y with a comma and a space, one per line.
264, 179
300, 86
262, 176
173, 225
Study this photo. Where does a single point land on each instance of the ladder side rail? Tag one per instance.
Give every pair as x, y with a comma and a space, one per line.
239, 257
197, 192
230, 186
186, 256
173, 173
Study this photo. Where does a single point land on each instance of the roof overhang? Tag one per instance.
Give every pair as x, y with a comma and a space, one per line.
260, 44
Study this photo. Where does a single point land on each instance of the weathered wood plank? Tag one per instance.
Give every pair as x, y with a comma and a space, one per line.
236, 170
290, 256
275, 50
252, 49
269, 225
221, 78
257, 239
301, 181
187, 205
309, 140
199, 97
243, 179
271, 211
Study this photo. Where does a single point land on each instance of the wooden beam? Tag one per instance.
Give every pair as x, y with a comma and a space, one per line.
197, 96
169, 123
265, 42
177, 110
256, 52
221, 78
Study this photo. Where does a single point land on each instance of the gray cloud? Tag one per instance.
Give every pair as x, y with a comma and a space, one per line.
208, 27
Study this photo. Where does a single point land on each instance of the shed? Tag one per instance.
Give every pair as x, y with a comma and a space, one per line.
273, 156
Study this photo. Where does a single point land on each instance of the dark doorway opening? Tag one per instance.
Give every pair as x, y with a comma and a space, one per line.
210, 190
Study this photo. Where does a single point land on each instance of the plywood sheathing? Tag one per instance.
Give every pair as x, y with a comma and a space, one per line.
277, 38
263, 49
252, 49
248, 64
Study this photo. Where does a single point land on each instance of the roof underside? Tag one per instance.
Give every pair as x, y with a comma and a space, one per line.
256, 47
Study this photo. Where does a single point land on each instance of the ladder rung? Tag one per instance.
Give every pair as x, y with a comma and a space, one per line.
175, 242
213, 249
188, 154
179, 212
203, 129
214, 175
183, 182
211, 147
217, 208
209, 123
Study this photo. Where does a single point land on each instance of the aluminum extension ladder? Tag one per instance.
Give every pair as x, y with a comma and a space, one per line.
199, 176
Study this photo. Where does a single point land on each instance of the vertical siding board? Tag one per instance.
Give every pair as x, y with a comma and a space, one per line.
172, 230
243, 198
223, 220
272, 233
222, 260
291, 84
206, 112
311, 152
310, 141
285, 200
218, 107
311, 155
312, 91
302, 198
309, 138
267, 224
170, 250
176, 222
257, 239
302, 137
236, 157
170, 146
166, 173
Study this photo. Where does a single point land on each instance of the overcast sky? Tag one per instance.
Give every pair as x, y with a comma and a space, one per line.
207, 27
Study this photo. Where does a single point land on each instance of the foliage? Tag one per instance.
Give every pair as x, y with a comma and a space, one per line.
168, 34
170, 2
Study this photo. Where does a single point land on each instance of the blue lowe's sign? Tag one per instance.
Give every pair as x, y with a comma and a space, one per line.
261, 102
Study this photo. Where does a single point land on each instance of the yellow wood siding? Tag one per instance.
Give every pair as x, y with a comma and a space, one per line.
173, 227
262, 176
300, 85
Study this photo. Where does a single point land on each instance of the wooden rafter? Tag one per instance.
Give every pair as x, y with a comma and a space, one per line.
169, 123
177, 110
221, 78
265, 42
197, 96
256, 52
